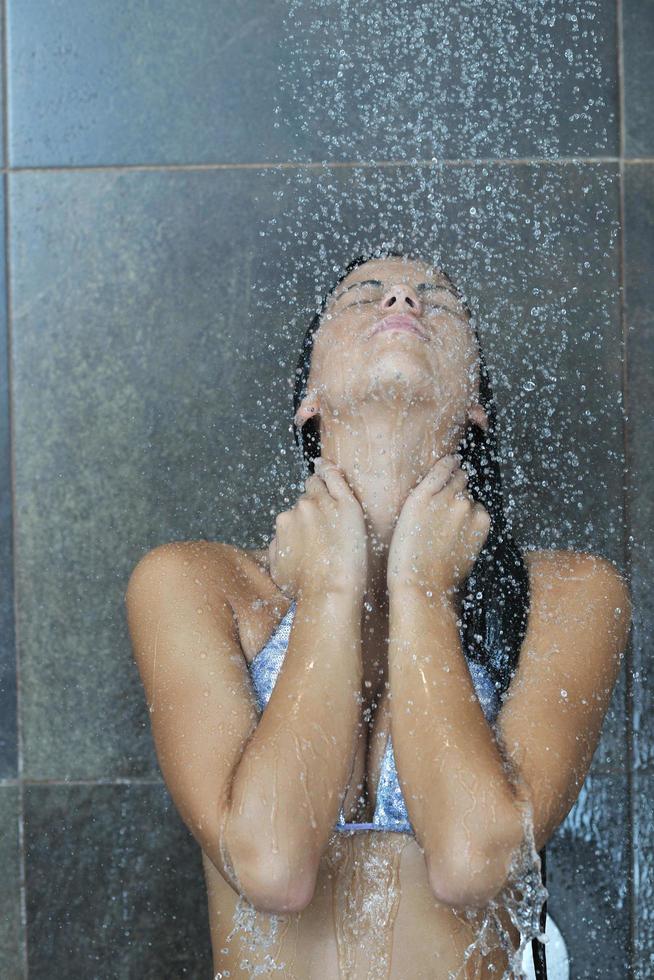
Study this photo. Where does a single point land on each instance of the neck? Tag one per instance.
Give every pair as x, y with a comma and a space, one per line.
383, 455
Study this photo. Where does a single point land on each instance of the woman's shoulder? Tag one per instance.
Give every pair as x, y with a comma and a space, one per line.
239, 573
563, 567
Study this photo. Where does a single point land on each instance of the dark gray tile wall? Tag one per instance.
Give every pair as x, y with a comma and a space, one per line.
639, 222
587, 862
12, 933
8, 725
107, 896
97, 84
143, 235
155, 317
644, 874
639, 217
638, 72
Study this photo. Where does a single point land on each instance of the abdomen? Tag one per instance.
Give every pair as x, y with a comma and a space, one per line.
373, 913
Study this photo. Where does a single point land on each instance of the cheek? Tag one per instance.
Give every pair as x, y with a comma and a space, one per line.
338, 341
450, 358
455, 377
334, 361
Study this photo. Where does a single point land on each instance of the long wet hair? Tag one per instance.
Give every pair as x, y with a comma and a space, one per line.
496, 602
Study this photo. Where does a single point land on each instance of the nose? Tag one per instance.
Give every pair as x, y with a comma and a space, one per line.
401, 299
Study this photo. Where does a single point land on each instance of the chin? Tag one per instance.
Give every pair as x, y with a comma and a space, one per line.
408, 380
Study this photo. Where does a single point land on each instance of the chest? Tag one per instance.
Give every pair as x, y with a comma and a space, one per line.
372, 758
361, 796
265, 644
375, 726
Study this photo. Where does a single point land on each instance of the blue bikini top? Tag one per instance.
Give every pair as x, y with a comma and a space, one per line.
390, 807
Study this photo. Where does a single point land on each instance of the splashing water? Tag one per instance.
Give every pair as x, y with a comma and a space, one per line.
366, 898
523, 897
257, 933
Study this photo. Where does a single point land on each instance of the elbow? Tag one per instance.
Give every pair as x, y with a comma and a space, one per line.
278, 883
270, 887
468, 875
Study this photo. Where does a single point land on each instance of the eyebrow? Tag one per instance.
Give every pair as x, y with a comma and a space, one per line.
421, 287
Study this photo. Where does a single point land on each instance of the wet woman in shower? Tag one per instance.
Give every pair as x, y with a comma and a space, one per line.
375, 561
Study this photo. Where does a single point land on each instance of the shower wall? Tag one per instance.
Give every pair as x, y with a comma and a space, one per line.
152, 169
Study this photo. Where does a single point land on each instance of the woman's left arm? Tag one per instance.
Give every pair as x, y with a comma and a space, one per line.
464, 809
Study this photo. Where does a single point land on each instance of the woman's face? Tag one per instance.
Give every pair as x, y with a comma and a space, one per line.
394, 331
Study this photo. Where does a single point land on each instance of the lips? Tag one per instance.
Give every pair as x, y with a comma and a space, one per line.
398, 322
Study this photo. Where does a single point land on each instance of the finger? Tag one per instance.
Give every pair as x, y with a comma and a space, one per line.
439, 474
314, 486
481, 516
457, 483
333, 477
272, 556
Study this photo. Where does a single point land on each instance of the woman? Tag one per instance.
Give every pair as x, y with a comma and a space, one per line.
391, 598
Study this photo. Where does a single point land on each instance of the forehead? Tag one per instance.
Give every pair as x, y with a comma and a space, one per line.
395, 270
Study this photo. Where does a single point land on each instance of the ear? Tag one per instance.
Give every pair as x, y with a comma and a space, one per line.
309, 407
477, 414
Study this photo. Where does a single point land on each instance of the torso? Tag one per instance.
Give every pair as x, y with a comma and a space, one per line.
373, 914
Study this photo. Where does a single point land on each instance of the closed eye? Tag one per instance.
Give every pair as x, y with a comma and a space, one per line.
357, 302
427, 306
439, 306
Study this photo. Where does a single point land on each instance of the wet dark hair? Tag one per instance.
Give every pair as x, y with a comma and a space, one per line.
496, 602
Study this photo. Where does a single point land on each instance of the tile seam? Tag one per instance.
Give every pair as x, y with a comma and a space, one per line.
331, 164
626, 509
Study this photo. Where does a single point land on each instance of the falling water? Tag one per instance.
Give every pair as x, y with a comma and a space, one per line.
409, 130
523, 895
258, 935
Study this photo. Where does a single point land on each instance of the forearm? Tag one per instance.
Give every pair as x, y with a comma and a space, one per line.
460, 801
287, 788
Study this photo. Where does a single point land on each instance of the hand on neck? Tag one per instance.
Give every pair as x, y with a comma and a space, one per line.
383, 455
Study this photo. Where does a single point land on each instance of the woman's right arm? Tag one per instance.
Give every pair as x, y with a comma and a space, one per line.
261, 797
291, 778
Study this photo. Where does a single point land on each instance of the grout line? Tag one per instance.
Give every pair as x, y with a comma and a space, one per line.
331, 165
22, 869
626, 510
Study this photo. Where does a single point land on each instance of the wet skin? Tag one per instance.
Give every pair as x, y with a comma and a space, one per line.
423, 938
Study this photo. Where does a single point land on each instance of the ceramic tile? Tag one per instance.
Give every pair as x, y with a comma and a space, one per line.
255, 81
12, 938
118, 900
638, 60
587, 878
